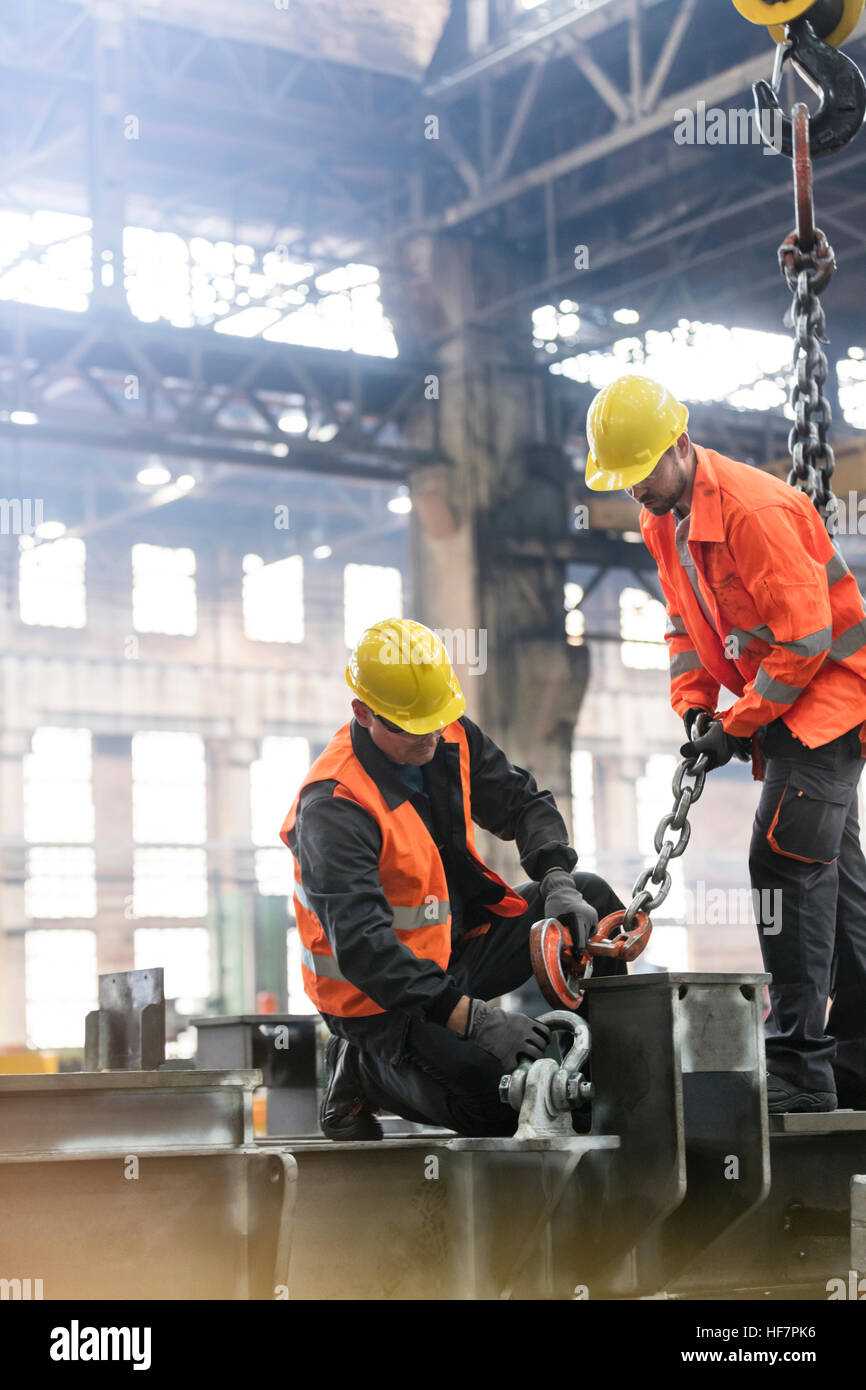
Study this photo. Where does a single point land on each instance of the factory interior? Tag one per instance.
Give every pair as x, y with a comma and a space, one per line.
322, 320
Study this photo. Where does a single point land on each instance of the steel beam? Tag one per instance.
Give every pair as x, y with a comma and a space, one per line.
710, 90
594, 17
672, 46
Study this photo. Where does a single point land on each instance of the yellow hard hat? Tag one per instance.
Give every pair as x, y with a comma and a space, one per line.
629, 425
775, 15
401, 670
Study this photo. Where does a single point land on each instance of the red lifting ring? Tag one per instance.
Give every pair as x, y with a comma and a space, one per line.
560, 972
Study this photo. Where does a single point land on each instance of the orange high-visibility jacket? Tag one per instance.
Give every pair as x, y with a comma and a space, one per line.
788, 634
410, 870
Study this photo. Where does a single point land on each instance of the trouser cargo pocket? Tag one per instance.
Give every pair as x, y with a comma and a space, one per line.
809, 819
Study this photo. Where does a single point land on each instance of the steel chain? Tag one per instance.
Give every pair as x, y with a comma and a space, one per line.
807, 273
643, 899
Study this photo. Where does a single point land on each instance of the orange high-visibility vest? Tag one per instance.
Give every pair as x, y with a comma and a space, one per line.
410, 870
788, 634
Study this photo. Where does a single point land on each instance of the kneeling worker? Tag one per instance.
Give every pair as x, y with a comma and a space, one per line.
405, 932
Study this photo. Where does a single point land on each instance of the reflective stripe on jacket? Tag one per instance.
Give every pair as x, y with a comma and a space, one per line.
410, 870
789, 624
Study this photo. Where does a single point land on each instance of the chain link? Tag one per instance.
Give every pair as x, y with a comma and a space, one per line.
643, 899
807, 273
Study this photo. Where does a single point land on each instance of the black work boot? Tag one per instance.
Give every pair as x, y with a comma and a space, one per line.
345, 1113
787, 1098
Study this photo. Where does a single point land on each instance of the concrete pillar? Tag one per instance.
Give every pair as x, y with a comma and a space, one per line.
490, 534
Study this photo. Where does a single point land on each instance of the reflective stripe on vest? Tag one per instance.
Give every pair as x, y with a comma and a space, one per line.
836, 569
427, 914
812, 645
324, 966
683, 662
849, 642
768, 689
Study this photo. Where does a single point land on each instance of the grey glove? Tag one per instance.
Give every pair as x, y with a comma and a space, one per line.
563, 901
508, 1037
718, 746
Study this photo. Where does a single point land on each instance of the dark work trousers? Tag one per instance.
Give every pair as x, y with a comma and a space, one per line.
445, 1080
806, 860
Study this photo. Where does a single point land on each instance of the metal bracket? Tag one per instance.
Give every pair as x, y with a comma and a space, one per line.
544, 1092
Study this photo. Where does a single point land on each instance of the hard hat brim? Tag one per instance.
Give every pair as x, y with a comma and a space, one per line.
614, 480
412, 724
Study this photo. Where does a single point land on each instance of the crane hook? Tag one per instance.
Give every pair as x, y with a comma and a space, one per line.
832, 75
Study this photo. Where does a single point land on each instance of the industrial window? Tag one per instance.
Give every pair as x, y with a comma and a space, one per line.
60, 985
163, 590
274, 872
583, 807
168, 789
370, 593
642, 628
60, 878
60, 882
274, 781
183, 953
654, 798
273, 598
169, 883
51, 590
58, 787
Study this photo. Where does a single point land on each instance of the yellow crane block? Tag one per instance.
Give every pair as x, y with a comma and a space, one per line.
774, 16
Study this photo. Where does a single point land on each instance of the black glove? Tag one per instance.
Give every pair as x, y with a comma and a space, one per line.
689, 720
563, 901
718, 746
508, 1037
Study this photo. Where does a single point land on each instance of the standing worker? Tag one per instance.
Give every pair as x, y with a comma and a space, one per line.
405, 932
760, 601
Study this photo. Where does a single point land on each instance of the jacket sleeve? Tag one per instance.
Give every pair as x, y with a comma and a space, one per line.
338, 848
691, 686
507, 802
773, 553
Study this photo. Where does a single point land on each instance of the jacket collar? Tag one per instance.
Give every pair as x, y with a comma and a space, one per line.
383, 771
705, 522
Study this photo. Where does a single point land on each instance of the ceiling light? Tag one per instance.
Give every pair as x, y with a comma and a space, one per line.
293, 422
24, 417
626, 316
326, 433
50, 530
322, 552
400, 504
154, 475
185, 482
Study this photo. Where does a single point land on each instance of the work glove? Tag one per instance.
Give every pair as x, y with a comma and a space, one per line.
718, 746
690, 718
508, 1037
563, 901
